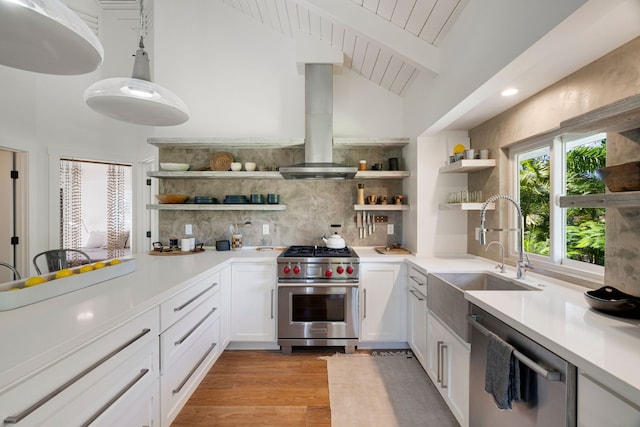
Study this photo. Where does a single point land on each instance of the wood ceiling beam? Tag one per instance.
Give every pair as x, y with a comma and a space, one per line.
412, 49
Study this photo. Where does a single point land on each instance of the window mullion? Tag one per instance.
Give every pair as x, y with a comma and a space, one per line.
557, 221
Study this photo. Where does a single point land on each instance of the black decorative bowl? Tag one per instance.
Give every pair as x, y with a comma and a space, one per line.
614, 302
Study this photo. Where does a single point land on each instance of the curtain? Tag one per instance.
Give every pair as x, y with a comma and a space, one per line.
116, 234
70, 205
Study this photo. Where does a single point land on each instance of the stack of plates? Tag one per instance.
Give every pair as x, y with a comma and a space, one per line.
235, 199
205, 200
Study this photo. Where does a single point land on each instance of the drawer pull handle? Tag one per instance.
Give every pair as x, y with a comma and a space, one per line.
364, 303
113, 400
415, 279
17, 418
176, 309
416, 295
444, 360
272, 303
197, 365
196, 326
439, 370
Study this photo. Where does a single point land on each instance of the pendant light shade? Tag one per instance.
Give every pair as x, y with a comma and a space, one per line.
45, 36
137, 99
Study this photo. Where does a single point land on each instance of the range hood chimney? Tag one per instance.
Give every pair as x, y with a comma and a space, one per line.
318, 144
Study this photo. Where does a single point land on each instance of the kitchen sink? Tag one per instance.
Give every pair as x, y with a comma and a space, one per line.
446, 295
481, 282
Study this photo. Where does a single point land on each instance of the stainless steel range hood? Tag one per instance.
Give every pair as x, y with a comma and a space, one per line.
318, 145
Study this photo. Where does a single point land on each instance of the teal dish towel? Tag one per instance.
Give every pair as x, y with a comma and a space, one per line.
502, 376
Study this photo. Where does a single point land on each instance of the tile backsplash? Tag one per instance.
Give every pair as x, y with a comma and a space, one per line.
312, 206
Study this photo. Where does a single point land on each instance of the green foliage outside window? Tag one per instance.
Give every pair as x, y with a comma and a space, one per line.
585, 227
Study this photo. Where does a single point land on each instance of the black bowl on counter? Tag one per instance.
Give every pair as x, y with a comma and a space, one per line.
614, 302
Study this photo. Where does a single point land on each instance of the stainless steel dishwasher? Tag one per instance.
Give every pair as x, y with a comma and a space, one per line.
551, 384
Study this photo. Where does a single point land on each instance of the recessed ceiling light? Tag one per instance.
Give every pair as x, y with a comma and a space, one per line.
509, 91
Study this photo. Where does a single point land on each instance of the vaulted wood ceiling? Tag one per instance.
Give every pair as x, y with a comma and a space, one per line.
386, 41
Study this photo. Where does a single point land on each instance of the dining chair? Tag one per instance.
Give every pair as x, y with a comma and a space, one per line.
16, 275
57, 259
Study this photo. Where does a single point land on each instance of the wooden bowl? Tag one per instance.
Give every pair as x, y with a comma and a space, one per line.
171, 198
624, 177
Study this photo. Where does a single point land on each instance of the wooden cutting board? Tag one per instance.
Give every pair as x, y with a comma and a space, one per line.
392, 251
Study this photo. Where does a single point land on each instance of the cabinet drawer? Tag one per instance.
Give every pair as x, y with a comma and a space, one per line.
138, 410
87, 374
109, 398
179, 337
179, 305
417, 280
178, 383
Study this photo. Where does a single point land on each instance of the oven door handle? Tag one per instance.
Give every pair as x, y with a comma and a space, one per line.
549, 375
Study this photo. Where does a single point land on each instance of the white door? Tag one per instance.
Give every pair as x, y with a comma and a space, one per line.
13, 236
147, 219
383, 303
253, 299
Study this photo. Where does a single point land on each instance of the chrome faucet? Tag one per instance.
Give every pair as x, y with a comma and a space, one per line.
521, 265
501, 265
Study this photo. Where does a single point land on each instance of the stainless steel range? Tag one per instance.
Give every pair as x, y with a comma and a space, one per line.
318, 297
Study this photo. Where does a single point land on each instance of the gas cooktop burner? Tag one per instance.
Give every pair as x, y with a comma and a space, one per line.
316, 251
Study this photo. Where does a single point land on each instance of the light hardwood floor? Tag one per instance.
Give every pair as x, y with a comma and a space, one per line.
262, 388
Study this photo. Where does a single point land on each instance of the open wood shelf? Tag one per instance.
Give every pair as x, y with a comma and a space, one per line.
383, 174
216, 207
389, 207
226, 143
465, 166
466, 206
215, 174
606, 200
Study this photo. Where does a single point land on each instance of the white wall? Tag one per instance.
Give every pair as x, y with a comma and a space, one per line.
488, 35
239, 78
427, 230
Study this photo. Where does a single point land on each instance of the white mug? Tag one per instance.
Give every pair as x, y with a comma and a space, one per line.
469, 154
185, 245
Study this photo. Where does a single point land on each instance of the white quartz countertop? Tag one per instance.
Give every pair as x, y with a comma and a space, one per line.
560, 319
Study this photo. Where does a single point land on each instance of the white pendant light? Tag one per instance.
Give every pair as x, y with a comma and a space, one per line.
137, 99
45, 36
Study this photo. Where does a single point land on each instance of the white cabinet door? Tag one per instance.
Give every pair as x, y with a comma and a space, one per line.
383, 302
253, 310
599, 406
448, 358
417, 325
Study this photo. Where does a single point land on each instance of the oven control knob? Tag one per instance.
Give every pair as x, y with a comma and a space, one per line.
340, 270
286, 269
349, 270
328, 273
296, 269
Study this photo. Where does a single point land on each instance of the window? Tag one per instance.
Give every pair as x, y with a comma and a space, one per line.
95, 208
571, 237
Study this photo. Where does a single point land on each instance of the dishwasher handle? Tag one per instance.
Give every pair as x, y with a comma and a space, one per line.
548, 374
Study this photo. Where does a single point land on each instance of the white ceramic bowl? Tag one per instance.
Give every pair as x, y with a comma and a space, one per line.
236, 166
250, 166
174, 166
